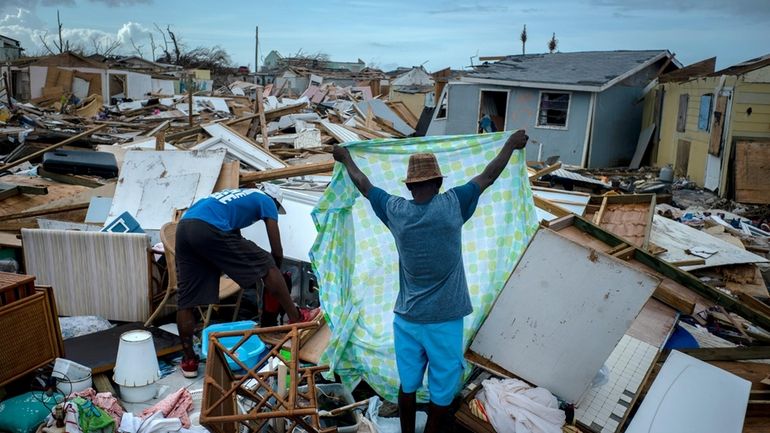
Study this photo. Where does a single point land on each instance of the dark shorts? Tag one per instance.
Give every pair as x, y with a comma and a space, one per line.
204, 253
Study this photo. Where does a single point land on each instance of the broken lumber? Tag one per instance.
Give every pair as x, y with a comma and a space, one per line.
35, 213
34, 155
724, 353
283, 173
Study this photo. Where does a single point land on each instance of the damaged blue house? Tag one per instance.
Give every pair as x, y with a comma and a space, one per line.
584, 107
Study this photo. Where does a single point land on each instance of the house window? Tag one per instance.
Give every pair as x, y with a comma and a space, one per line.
442, 106
704, 113
553, 110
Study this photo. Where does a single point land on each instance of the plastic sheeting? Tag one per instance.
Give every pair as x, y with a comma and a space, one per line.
355, 255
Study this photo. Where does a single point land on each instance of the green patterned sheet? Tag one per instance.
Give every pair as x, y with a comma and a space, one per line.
355, 257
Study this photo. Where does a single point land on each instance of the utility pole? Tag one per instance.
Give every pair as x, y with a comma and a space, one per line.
256, 56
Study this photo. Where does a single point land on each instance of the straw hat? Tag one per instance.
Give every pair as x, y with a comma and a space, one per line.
422, 167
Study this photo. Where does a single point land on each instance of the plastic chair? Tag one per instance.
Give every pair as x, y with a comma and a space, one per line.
227, 287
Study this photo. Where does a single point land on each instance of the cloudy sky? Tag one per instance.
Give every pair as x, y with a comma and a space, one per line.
405, 33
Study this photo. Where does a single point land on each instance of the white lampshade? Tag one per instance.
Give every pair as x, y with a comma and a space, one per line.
137, 363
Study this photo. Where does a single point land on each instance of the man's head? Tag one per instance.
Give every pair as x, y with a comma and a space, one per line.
423, 174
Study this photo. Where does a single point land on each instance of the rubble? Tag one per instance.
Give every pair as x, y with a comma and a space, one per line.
667, 256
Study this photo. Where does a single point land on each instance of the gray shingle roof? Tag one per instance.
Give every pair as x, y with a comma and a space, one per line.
588, 68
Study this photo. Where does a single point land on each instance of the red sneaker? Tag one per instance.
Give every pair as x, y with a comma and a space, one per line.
189, 368
307, 315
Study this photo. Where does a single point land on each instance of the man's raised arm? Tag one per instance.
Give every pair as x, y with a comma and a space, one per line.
360, 180
492, 171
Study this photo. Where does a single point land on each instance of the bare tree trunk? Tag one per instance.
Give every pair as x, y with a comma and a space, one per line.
174, 41
61, 41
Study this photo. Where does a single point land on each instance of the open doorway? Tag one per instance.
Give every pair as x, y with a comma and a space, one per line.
117, 87
493, 106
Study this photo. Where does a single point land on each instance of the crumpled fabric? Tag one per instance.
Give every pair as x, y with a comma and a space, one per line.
71, 420
176, 405
515, 407
155, 423
355, 257
104, 400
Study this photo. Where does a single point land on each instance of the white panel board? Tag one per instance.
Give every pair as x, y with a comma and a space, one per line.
298, 231
139, 86
141, 166
162, 195
689, 395
676, 237
238, 147
574, 202
561, 313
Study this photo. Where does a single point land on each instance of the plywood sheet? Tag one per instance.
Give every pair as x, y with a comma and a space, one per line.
630, 221
141, 167
676, 238
752, 164
693, 396
559, 316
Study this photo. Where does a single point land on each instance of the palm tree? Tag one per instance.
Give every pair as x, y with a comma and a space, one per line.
523, 38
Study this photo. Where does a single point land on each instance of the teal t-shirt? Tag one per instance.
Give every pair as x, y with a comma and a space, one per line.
429, 242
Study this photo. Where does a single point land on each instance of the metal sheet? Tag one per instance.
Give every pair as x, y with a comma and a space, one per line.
342, 134
139, 166
574, 202
676, 237
238, 147
561, 313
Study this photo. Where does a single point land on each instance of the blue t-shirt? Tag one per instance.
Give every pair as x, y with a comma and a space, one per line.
432, 286
233, 209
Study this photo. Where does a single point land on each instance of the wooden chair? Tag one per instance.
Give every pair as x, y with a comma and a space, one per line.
227, 287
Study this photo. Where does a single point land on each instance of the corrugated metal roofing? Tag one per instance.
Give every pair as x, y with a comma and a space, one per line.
589, 68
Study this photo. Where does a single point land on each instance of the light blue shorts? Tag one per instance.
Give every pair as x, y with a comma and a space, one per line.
437, 346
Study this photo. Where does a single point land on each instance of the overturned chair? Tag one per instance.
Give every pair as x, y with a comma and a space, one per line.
227, 287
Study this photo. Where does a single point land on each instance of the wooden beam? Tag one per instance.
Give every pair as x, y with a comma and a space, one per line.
284, 173
552, 208
34, 155
542, 172
725, 353
30, 214
68, 179
262, 119
667, 295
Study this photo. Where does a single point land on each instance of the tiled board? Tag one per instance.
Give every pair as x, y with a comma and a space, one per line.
603, 408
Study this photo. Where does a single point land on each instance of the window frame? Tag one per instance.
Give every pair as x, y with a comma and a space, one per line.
708, 114
539, 102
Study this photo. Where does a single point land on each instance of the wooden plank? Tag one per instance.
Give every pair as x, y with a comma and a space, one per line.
39, 153
262, 122
69, 179
542, 172
682, 158
725, 353
34, 213
312, 350
717, 125
752, 163
668, 295
754, 303
284, 173
552, 208
228, 176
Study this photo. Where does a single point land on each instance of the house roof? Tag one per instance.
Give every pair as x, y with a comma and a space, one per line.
743, 67
586, 70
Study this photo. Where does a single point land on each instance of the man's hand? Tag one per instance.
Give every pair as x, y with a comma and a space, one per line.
518, 139
340, 153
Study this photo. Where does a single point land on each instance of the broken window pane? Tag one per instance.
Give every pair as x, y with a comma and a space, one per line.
553, 109
704, 114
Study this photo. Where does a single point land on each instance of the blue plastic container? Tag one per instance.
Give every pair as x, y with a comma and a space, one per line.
249, 353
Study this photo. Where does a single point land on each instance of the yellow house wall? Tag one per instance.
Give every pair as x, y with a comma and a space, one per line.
749, 90
669, 136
